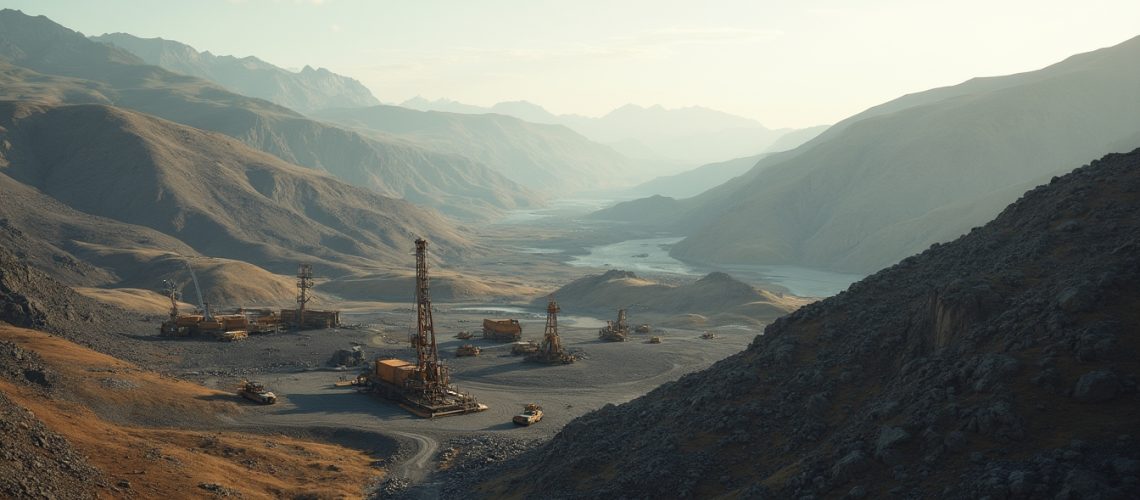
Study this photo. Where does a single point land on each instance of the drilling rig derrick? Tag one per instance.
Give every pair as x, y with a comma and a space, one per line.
551, 351
425, 387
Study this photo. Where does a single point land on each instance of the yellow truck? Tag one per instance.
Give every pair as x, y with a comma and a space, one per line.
502, 330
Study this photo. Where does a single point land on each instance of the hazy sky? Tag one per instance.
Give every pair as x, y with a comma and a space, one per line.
784, 63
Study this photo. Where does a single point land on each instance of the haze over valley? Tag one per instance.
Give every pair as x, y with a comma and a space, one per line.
333, 250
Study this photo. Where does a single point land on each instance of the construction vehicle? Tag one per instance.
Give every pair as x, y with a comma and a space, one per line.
709, 335
551, 351
502, 330
654, 340
353, 356
260, 321
224, 327
464, 335
531, 414
423, 388
615, 331
256, 392
467, 350
233, 335
642, 328
524, 347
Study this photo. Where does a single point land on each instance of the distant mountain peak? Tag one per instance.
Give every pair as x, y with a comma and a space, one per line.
308, 90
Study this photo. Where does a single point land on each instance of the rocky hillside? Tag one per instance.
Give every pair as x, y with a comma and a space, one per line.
305, 91
44, 62
36, 462
1003, 364
208, 191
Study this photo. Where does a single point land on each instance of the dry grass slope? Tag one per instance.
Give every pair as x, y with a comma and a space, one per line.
125, 420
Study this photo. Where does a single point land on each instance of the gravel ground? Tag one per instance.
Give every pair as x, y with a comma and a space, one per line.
293, 365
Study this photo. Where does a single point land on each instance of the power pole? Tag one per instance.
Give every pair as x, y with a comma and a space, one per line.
304, 283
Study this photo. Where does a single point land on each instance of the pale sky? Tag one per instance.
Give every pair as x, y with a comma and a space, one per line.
784, 63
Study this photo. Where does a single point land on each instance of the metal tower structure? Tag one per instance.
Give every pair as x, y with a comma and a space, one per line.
431, 377
304, 283
622, 324
551, 351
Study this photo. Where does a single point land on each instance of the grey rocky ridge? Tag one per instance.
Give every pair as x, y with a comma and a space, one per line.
305, 90
1003, 364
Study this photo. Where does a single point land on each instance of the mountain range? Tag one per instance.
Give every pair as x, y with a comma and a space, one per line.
46, 62
305, 91
102, 196
545, 157
921, 169
542, 157
676, 138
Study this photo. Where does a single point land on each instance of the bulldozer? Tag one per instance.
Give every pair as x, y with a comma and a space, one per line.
524, 347
467, 350
642, 328
256, 392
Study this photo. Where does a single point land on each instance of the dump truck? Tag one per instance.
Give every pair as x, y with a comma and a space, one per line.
463, 335
531, 414
256, 392
467, 350
524, 347
654, 340
709, 335
502, 330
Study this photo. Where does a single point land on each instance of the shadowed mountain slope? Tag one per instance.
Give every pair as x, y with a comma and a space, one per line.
925, 168
1002, 364
94, 72
695, 181
211, 192
307, 90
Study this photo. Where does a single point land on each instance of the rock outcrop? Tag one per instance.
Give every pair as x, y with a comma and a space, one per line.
1002, 365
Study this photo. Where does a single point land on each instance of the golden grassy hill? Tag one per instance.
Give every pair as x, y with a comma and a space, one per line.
122, 419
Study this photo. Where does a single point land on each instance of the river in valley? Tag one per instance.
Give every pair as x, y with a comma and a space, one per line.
651, 256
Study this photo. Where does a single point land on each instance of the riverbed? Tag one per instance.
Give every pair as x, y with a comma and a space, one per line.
651, 256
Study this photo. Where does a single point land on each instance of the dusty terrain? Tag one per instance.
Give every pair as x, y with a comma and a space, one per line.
294, 365
133, 432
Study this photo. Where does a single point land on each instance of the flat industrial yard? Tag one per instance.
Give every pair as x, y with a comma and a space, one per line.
294, 366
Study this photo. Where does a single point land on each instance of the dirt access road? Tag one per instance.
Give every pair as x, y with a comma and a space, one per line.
608, 373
